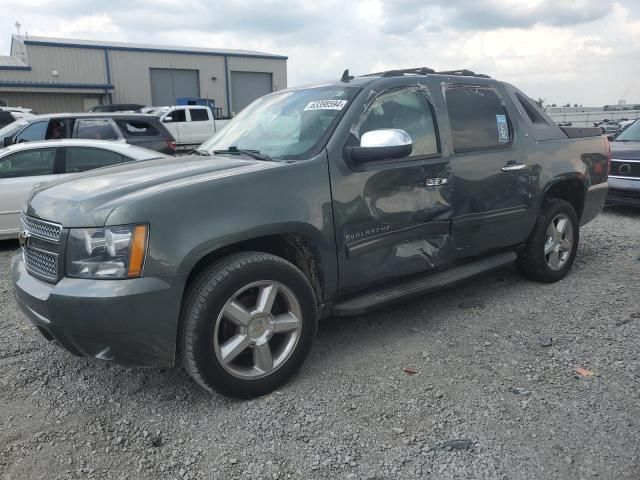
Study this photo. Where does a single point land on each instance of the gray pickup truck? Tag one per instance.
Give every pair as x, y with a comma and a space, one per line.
322, 200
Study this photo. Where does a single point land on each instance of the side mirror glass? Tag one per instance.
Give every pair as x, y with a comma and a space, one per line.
8, 141
383, 144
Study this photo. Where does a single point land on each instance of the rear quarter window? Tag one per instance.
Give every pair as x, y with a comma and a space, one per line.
137, 128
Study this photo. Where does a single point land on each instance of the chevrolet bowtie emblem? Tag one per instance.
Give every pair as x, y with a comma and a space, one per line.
23, 238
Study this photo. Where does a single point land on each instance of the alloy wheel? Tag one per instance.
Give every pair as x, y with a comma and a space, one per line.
257, 330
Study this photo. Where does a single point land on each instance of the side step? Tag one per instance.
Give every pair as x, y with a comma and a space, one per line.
415, 286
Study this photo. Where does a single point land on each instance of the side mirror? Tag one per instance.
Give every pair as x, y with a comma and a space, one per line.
167, 119
383, 144
611, 137
8, 141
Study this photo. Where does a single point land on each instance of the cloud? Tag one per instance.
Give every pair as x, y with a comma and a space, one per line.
578, 51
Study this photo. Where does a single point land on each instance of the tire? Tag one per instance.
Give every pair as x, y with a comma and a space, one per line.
248, 322
533, 261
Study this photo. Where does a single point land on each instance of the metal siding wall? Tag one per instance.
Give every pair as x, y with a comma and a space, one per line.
74, 65
49, 102
130, 74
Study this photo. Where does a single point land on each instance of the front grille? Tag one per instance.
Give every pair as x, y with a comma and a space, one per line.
41, 248
42, 229
625, 168
40, 263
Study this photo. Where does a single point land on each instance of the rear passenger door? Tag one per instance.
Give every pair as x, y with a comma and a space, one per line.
490, 177
201, 126
81, 159
96, 129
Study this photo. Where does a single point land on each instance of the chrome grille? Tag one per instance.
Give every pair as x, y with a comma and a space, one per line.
40, 263
625, 168
42, 229
41, 248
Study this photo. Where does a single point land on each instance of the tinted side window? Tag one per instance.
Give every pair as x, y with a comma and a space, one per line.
35, 131
177, 116
137, 128
198, 115
28, 163
409, 111
96, 129
80, 159
478, 118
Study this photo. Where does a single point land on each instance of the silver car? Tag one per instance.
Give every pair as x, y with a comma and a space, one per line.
26, 164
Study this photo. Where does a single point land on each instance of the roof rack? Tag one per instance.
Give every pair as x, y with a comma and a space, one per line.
426, 71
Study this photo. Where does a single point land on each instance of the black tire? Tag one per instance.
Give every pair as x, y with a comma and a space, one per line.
532, 261
204, 302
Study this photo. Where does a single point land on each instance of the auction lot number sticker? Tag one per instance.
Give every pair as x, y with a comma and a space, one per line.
325, 105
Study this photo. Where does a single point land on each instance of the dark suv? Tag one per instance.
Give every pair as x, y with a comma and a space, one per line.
136, 129
314, 201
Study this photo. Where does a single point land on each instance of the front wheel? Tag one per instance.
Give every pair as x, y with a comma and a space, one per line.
248, 324
552, 246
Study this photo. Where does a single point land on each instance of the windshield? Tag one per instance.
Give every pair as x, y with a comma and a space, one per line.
288, 125
11, 129
630, 134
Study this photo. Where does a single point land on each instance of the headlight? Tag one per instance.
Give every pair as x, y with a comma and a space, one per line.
109, 252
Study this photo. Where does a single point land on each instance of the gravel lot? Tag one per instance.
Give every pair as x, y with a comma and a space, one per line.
483, 374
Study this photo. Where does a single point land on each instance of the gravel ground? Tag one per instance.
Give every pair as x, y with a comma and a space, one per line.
485, 377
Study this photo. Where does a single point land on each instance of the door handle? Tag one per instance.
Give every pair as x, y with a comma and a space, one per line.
513, 167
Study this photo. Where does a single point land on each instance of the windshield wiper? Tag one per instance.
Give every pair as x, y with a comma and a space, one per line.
233, 150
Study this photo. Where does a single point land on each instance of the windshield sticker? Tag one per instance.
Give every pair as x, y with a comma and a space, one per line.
503, 128
326, 105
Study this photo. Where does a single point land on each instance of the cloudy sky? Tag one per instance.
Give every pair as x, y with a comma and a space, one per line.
578, 51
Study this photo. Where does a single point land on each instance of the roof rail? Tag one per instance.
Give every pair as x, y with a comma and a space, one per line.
425, 71
463, 73
399, 72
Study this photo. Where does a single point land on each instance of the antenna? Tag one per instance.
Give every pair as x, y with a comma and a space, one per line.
345, 76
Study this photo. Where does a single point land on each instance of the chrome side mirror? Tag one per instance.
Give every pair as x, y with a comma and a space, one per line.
383, 144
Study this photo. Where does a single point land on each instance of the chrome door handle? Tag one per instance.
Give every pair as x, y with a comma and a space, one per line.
513, 167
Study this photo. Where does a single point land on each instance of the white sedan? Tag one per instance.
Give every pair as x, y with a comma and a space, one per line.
26, 164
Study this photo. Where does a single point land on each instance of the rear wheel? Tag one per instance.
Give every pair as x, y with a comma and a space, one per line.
248, 324
551, 248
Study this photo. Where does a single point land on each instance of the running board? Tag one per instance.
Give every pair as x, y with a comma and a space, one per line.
436, 281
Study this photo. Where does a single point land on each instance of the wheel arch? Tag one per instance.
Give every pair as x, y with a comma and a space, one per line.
299, 245
571, 188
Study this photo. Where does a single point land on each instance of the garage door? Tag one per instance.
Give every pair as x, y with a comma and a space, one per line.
247, 86
167, 84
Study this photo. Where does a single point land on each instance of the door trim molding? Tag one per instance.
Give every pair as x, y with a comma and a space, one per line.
389, 237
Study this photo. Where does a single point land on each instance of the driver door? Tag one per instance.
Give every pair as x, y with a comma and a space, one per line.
392, 217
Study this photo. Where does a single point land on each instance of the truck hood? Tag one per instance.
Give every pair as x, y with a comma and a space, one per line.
625, 150
87, 199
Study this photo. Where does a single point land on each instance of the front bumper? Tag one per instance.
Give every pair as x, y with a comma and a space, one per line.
623, 191
131, 322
